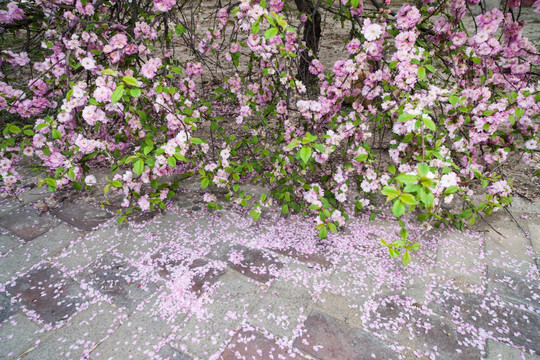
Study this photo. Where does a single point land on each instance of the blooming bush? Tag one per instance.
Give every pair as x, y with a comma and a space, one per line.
423, 109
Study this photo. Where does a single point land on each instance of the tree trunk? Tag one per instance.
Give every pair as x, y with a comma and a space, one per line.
311, 37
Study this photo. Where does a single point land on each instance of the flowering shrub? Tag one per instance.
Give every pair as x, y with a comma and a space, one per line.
440, 110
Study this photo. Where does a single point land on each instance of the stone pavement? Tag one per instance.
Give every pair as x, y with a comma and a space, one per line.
189, 283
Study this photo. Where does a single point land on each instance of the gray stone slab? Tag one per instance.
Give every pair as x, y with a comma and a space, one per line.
9, 204
509, 251
501, 351
327, 338
114, 278
458, 260
91, 247
7, 307
78, 337
169, 353
514, 287
507, 323
17, 335
35, 194
48, 293
8, 242
41, 248
81, 215
221, 319
394, 318
281, 309
253, 345
259, 265
138, 337
27, 223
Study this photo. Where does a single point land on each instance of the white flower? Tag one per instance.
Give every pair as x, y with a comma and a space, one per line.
449, 180
90, 180
531, 144
372, 32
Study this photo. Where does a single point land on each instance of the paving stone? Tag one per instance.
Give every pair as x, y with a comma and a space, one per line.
47, 292
91, 247
41, 248
327, 338
206, 277
114, 278
8, 242
203, 337
136, 338
281, 308
514, 287
398, 319
256, 264
169, 353
17, 335
458, 260
35, 194
27, 223
509, 250
534, 229
502, 319
501, 351
252, 345
9, 204
312, 259
79, 336
7, 308
81, 215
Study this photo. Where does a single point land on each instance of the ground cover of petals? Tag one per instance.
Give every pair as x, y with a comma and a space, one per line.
190, 283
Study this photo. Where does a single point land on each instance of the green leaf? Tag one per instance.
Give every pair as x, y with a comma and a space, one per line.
421, 73
429, 124
14, 129
41, 126
270, 33
285, 209
453, 100
117, 184
406, 258
355, 3
204, 183
171, 161
322, 232
196, 141
180, 29
407, 178
56, 134
135, 93
305, 154
398, 209
77, 185
255, 27
117, 94
430, 68
427, 197
110, 72
293, 144
423, 169
130, 80
138, 166
405, 117
332, 227
408, 199
451, 190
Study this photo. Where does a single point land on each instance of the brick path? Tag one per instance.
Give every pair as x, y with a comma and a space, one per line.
75, 284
